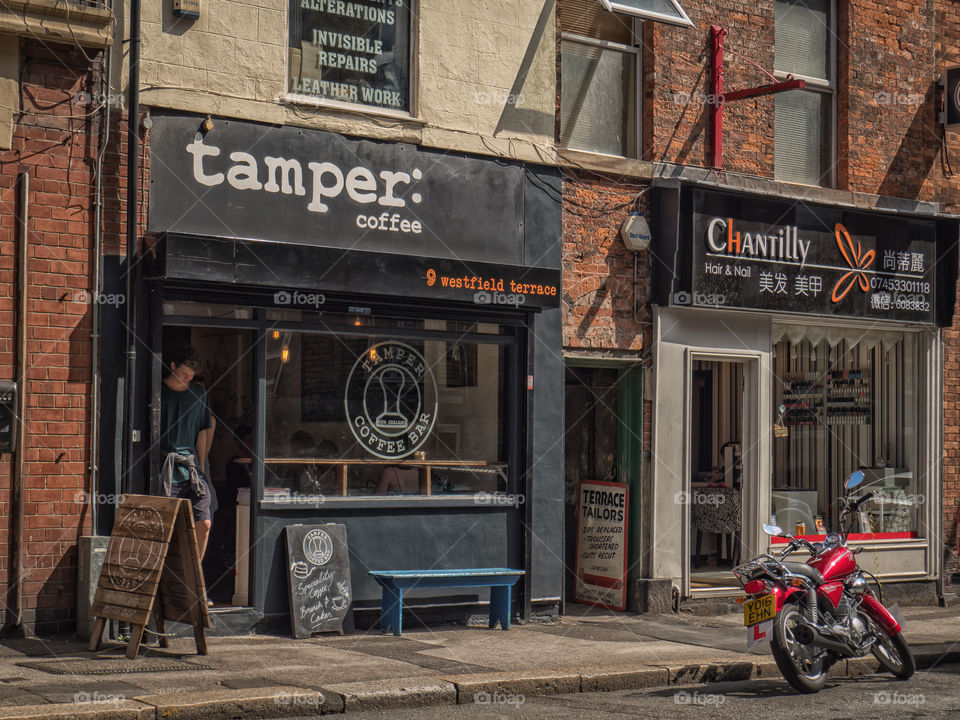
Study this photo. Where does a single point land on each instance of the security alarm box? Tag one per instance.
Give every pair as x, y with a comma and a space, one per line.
186, 8
950, 81
8, 415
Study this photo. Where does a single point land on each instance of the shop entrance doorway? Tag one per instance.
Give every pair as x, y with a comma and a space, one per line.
590, 446
716, 490
227, 373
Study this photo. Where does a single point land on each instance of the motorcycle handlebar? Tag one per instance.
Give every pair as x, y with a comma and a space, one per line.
862, 500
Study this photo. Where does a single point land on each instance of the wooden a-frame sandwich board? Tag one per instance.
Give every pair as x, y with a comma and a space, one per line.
152, 566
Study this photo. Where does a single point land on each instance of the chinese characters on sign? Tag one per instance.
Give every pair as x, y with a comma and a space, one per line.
354, 52
827, 262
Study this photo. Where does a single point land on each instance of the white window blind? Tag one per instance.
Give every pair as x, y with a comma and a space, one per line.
598, 100
589, 19
802, 28
803, 119
801, 145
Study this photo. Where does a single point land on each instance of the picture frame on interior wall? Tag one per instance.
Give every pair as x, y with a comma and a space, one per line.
461, 365
449, 437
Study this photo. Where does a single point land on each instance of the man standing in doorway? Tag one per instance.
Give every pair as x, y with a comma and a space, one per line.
184, 416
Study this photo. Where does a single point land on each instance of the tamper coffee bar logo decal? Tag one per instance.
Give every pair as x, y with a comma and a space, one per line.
317, 547
391, 400
832, 270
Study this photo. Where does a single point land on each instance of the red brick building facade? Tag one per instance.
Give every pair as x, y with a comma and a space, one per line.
890, 151
57, 135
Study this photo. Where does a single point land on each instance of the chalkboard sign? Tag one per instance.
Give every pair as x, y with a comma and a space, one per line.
152, 567
319, 575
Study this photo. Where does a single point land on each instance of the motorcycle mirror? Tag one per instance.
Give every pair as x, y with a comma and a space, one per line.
855, 479
773, 530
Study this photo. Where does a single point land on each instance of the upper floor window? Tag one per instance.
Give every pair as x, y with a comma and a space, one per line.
668, 11
600, 72
804, 120
351, 52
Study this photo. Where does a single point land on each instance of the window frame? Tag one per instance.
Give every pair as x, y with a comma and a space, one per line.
618, 7
291, 98
825, 86
637, 52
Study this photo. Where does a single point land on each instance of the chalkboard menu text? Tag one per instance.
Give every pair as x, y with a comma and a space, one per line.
319, 577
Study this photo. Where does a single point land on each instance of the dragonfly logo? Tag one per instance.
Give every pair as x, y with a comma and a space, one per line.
858, 261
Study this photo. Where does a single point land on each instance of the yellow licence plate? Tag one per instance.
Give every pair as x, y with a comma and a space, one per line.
759, 610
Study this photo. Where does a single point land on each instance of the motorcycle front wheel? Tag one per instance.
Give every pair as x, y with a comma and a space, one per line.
803, 666
893, 654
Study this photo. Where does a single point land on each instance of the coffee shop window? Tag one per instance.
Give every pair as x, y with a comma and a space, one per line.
375, 413
847, 399
355, 53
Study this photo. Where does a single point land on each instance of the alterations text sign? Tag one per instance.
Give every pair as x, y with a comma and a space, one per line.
796, 257
353, 52
602, 544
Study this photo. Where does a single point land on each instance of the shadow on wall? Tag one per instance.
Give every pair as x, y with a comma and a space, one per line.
918, 151
515, 119
698, 121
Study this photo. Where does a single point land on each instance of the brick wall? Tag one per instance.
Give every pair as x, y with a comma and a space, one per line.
948, 194
54, 140
888, 143
598, 270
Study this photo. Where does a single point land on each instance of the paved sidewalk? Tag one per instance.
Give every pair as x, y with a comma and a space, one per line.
269, 676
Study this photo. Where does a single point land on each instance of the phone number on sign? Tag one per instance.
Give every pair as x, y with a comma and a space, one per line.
911, 302
899, 285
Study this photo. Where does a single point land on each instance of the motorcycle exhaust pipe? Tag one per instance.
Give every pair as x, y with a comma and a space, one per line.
808, 635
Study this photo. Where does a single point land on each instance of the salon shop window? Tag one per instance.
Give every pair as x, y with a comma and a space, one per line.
357, 53
376, 412
847, 399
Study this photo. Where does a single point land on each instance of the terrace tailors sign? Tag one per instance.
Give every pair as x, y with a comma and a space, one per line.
602, 545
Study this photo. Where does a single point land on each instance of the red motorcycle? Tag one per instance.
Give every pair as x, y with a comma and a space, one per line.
818, 612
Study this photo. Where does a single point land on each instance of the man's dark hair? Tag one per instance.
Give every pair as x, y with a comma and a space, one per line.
186, 356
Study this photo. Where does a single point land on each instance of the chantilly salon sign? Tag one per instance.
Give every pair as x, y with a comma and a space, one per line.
792, 257
259, 182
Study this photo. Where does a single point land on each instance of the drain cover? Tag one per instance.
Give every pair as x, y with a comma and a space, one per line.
110, 665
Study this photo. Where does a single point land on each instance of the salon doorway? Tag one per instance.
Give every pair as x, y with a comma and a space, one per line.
226, 372
716, 489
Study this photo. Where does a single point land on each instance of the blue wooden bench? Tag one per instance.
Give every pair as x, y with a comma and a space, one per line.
394, 582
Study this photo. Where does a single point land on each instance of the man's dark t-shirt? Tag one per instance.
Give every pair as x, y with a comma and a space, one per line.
183, 414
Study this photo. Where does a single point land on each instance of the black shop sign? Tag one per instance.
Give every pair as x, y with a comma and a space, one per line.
258, 182
747, 252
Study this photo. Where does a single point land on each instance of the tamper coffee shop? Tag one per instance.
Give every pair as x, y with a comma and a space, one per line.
379, 332
806, 339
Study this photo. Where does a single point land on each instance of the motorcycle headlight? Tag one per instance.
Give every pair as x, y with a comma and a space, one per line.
857, 585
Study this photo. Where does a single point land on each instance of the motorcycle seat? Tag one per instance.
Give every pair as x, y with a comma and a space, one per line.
807, 571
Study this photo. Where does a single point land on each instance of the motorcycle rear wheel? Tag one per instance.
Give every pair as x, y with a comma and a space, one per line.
803, 666
893, 653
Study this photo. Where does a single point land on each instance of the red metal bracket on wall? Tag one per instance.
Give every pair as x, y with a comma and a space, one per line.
719, 98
